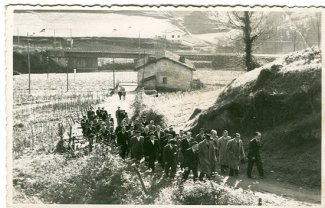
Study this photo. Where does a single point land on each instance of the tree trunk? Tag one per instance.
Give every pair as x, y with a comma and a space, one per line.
248, 41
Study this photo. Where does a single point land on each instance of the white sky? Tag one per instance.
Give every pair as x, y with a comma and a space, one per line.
89, 24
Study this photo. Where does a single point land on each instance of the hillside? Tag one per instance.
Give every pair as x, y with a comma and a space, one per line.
283, 101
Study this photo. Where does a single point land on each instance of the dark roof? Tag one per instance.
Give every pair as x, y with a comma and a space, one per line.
165, 55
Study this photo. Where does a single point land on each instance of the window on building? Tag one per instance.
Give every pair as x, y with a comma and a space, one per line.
164, 80
178, 36
172, 36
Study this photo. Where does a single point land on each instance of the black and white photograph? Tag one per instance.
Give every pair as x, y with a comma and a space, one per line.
163, 105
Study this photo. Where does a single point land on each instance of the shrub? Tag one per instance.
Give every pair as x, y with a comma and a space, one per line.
151, 114
209, 193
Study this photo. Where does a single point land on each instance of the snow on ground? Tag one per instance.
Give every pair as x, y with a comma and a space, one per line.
178, 107
221, 77
80, 81
308, 59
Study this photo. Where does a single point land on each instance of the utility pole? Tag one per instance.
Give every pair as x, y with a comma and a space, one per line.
144, 67
28, 62
113, 75
18, 36
139, 47
67, 76
54, 40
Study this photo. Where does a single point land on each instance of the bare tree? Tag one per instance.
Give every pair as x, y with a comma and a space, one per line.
316, 25
251, 24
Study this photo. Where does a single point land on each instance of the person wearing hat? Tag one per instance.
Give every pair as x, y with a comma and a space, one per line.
191, 161
222, 151
144, 121
136, 146
200, 136
207, 157
151, 148
235, 152
170, 158
171, 131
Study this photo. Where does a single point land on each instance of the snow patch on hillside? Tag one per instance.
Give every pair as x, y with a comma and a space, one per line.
308, 59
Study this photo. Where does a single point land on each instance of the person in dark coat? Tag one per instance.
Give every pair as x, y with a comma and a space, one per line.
200, 136
83, 124
171, 131
170, 158
109, 118
118, 115
191, 161
106, 135
98, 112
136, 147
104, 114
145, 133
151, 149
254, 156
184, 145
144, 121
123, 142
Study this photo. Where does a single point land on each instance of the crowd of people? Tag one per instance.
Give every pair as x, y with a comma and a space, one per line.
141, 140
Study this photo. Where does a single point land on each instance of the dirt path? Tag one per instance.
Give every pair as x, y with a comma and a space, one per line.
294, 195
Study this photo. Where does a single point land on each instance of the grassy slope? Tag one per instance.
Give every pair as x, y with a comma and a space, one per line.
284, 102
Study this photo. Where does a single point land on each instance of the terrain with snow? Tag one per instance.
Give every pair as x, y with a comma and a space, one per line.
283, 101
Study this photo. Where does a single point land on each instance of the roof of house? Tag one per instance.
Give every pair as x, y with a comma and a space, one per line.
169, 56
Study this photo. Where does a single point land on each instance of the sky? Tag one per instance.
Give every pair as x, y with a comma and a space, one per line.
89, 24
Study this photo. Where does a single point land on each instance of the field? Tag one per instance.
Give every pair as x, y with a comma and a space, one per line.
49, 97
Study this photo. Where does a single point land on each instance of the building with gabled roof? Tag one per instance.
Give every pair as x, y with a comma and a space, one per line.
165, 71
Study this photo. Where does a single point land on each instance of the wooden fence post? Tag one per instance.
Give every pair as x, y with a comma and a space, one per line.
141, 181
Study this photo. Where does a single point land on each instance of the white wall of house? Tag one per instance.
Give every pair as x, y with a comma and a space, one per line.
176, 76
175, 36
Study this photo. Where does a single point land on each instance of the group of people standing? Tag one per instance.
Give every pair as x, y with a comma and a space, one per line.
202, 154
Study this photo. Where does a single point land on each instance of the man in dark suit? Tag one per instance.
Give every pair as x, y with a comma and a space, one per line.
151, 148
104, 114
184, 145
118, 115
200, 136
191, 161
171, 131
170, 158
123, 142
254, 156
136, 147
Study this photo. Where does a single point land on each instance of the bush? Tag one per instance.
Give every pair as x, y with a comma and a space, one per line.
151, 114
96, 179
209, 193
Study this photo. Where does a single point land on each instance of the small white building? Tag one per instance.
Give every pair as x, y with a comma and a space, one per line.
165, 72
174, 35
